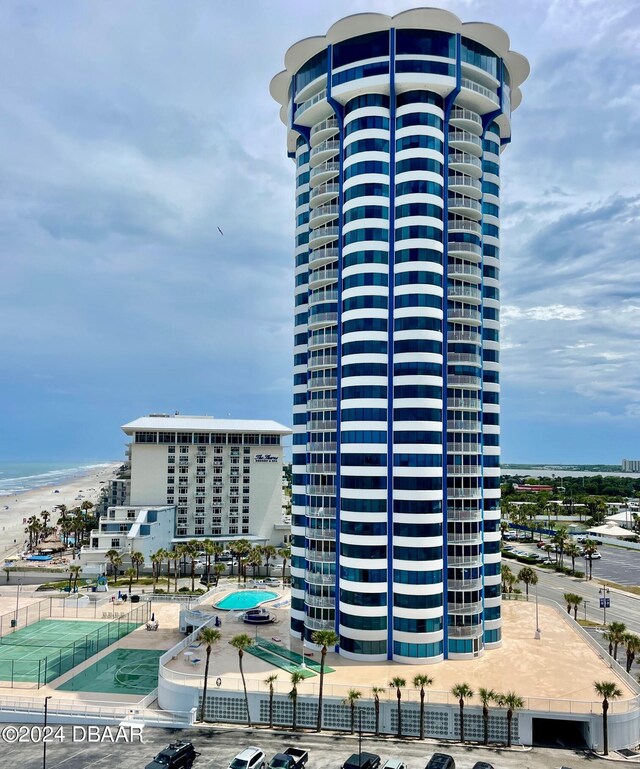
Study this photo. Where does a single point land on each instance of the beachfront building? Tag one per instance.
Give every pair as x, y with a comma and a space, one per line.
396, 126
631, 465
115, 493
128, 530
224, 476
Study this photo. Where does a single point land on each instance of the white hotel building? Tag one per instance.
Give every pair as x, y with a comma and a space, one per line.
197, 477
396, 126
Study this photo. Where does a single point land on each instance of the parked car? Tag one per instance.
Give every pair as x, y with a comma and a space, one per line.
291, 758
441, 761
482, 765
509, 536
249, 758
394, 763
362, 761
540, 544
178, 755
594, 556
276, 568
272, 581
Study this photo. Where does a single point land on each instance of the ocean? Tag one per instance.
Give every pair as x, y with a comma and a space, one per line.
16, 477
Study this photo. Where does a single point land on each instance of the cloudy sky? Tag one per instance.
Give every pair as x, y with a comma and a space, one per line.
129, 131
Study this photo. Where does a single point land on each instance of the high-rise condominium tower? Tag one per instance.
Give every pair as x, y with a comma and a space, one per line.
396, 126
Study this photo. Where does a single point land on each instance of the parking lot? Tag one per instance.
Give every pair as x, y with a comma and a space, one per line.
218, 747
617, 564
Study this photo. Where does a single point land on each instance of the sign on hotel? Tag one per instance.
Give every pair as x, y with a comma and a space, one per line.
265, 458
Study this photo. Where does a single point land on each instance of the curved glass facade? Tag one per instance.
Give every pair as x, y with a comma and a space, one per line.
396, 374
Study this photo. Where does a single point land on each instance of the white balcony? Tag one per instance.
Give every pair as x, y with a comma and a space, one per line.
322, 235
463, 425
323, 256
322, 383
464, 380
322, 319
463, 270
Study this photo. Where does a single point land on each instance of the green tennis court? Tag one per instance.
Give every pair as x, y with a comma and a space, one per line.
123, 671
41, 652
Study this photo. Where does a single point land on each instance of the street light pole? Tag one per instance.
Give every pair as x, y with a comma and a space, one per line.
538, 633
359, 738
44, 733
604, 599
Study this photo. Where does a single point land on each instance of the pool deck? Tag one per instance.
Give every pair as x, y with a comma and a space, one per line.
535, 669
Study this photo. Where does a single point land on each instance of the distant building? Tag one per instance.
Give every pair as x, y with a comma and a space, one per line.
631, 465
224, 476
531, 487
128, 530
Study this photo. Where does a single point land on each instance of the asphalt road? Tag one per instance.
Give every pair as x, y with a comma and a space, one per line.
217, 748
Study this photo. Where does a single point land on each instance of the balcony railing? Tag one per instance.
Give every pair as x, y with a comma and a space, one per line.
327, 125
464, 425
320, 556
464, 336
320, 601
463, 380
459, 313
310, 102
322, 491
322, 383
319, 624
328, 188
464, 608
315, 467
477, 88
470, 292
464, 269
326, 534
323, 255
460, 113
472, 404
464, 357
463, 136
465, 158
462, 180
472, 631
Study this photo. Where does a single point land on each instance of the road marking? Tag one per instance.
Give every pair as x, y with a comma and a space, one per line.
64, 760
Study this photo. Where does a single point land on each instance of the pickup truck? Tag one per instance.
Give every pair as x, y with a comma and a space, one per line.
362, 761
291, 758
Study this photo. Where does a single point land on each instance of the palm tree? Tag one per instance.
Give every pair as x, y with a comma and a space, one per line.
617, 632
207, 636
296, 677
169, 556
511, 702
398, 683
547, 549
242, 642
130, 573
219, 569
632, 642
254, 559
462, 692
192, 549
527, 576
608, 690
324, 639
573, 551
156, 560
420, 681
75, 570
573, 600
210, 548
137, 560
268, 552
353, 695
285, 554
589, 548
270, 681
507, 576
86, 506
114, 558
486, 696
377, 691
560, 540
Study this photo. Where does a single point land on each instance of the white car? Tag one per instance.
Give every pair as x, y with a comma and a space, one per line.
250, 758
271, 581
594, 556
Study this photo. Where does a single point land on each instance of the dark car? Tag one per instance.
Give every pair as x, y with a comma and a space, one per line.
362, 761
178, 755
441, 761
482, 765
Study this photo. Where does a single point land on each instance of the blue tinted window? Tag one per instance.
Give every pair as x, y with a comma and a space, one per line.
363, 505
364, 415
371, 144
312, 69
419, 164
417, 577
417, 650
418, 255
490, 167
418, 415
362, 190
365, 212
418, 277
366, 279
366, 167
363, 575
417, 529
364, 369
417, 436
363, 460
363, 391
425, 43
432, 67
419, 118
368, 121
423, 483
420, 141
418, 300
363, 436
361, 302
366, 100
418, 209
368, 46
421, 323
417, 391
479, 55
419, 231
364, 70
356, 646
372, 346
419, 97
365, 257
364, 528
363, 623
419, 186
417, 625
364, 324
417, 368
417, 506
366, 234
413, 601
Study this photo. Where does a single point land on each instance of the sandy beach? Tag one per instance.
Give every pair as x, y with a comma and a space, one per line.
27, 503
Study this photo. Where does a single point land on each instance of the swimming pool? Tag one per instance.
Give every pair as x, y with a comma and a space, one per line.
246, 599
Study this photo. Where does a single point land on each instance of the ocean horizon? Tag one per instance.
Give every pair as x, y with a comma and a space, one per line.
17, 477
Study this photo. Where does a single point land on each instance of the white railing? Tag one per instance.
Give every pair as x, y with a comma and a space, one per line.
465, 224
465, 136
460, 113
455, 313
464, 269
327, 210
464, 180
461, 380
477, 88
328, 188
466, 158
464, 403
310, 102
324, 403
469, 291
471, 248
323, 317
326, 125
